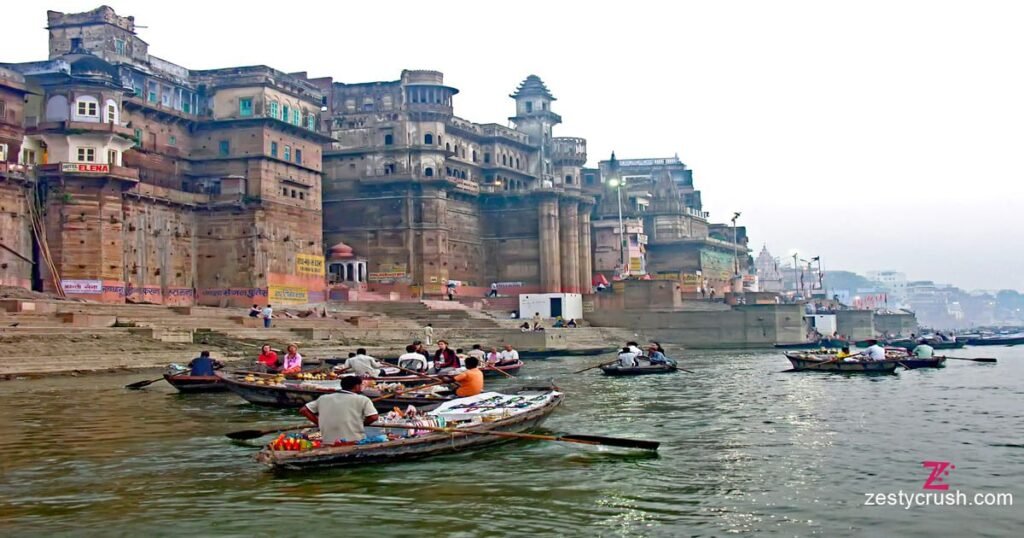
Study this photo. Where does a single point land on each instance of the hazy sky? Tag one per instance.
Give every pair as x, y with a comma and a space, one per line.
876, 134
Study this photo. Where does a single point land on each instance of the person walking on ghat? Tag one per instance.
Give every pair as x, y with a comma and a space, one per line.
268, 314
494, 290
429, 332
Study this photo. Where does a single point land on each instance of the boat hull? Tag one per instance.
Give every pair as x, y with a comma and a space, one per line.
545, 353
196, 383
801, 363
913, 364
824, 343
1013, 341
614, 370
909, 345
293, 396
405, 449
511, 369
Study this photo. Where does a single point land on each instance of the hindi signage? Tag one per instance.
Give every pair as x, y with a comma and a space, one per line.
309, 264
82, 287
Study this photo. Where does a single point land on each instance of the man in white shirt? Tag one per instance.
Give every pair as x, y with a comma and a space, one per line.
508, 355
412, 360
268, 314
429, 332
362, 364
874, 352
627, 359
342, 416
634, 348
478, 352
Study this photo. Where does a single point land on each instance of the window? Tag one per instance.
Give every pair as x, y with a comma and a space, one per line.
87, 108
296, 117
294, 195
165, 96
245, 107
287, 153
138, 136
86, 155
429, 172
273, 149
487, 157
172, 140
112, 157
3, 109
389, 139
151, 92
504, 159
474, 156
111, 113
76, 43
3, 153
298, 156
428, 138
119, 46
529, 106
273, 109
284, 113
311, 121
302, 195
568, 180
28, 156
225, 148
544, 105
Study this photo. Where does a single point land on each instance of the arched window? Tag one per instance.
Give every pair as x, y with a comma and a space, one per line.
110, 112
474, 155
429, 172
57, 108
272, 110
428, 138
517, 163
504, 159
311, 121
447, 147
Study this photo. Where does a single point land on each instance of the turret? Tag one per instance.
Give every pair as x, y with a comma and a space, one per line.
535, 118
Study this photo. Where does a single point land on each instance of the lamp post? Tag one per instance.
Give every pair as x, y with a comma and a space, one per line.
735, 247
616, 183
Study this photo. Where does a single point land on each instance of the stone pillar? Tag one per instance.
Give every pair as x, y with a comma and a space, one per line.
569, 232
586, 264
550, 263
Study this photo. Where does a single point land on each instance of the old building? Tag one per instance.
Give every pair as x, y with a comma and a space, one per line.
167, 185
766, 268
429, 197
16, 261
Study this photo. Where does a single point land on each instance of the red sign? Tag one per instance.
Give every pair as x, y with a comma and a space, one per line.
89, 168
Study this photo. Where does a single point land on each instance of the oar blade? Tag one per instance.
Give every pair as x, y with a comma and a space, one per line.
984, 360
613, 441
140, 384
244, 435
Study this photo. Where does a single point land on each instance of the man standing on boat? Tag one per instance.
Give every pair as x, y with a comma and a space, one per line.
342, 416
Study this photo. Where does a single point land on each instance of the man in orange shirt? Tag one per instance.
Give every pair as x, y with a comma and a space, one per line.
471, 382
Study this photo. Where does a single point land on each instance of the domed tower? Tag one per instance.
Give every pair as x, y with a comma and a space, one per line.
535, 118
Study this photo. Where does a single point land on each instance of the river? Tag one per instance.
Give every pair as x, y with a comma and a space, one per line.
746, 449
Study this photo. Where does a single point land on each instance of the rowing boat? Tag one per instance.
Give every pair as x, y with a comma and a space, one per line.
817, 344
996, 341
909, 345
294, 394
542, 401
647, 369
195, 383
821, 363
510, 369
915, 363
583, 352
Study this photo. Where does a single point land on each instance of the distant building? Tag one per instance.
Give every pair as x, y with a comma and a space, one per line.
769, 274
894, 283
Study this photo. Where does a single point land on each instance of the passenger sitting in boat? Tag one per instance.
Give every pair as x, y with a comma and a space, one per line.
412, 360
923, 350
267, 362
204, 365
471, 382
843, 353
493, 357
342, 416
362, 364
655, 356
445, 359
627, 359
874, 352
508, 356
291, 363
477, 352
461, 354
571, 324
635, 348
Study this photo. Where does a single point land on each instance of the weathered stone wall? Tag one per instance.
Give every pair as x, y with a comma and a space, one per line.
855, 324
15, 234
898, 324
159, 252
749, 326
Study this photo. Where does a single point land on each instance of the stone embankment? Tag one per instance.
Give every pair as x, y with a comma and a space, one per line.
41, 336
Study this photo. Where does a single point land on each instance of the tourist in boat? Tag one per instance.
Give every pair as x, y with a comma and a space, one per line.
255, 311
342, 416
204, 365
508, 356
291, 363
571, 324
411, 360
493, 357
471, 382
923, 350
421, 350
627, 359
362, 364
267, 361
843, 353
874, 352
635, 349
478, 353
445, 359
655, 356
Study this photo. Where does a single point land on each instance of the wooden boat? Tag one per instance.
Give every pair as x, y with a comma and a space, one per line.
584, 352
510, 369
996, 341
294, 394
915, 363
909, 344
195, 383
409, 448
817, 344
823, 363
647, 369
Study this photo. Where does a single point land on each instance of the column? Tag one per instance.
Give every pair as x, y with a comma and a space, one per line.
586, 264
569, 232
550, 263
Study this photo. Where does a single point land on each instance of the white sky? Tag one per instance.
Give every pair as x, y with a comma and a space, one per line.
876, 134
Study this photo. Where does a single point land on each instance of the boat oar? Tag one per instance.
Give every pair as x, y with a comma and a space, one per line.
983, 359
243, 435
414, 372
568, 438
140, 384
597, 366
502, 372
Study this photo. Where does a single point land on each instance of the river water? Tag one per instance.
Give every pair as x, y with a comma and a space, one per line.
746, 449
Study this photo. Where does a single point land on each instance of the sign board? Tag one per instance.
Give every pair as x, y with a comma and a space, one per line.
636, 265
380, 276
287, 295
88, 168
309, 264
716, 265
82, 287
665, 276
508, 284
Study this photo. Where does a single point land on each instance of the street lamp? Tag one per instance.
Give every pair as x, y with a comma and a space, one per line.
616, 184
735, 248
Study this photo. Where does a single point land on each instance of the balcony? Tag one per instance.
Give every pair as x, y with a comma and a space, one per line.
167, 112
569, 150
80, 127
